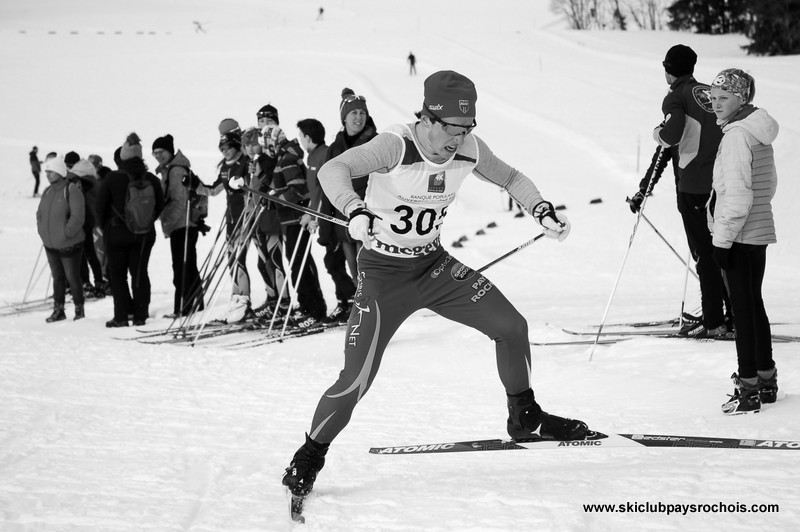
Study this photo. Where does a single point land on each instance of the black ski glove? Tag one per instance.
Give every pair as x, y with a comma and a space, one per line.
635, 203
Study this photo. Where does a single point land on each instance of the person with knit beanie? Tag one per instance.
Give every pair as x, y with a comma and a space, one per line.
690, 136
267, 116
415, 171
128, 252
165, 143
59, 221
742, 226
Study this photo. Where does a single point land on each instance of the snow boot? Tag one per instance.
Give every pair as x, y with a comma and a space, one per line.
306, 463
768, 385
526, 419
78, 313
58, 313
745, 398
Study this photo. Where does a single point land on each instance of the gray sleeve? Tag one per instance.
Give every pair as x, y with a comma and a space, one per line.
379, 155
494, 170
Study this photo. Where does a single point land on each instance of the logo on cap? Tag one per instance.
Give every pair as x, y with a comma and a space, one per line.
463, 105
437, 107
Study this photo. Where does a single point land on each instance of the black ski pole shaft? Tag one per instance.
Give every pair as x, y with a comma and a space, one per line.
294, 206
518, 248
685, 263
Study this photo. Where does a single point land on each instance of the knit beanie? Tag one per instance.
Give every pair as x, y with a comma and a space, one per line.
680, 60
351, 102
131, 148
71, 158
83, 168
736, 82
228, 124
56, 165
96, 160
164, 143
270, 112
449, 94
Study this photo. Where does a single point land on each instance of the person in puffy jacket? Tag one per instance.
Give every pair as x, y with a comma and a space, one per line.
59, 220
742, 225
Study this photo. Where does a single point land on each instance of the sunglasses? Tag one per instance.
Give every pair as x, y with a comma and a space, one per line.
267, 114
354, 99
454, 130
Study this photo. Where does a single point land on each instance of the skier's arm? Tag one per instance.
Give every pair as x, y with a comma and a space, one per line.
494, 170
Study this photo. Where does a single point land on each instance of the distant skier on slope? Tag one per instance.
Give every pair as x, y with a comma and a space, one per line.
415, 172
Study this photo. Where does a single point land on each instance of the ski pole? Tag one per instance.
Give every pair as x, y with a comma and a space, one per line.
656, 163
684, 262
518, 248
296, 207
685, 283
33, 272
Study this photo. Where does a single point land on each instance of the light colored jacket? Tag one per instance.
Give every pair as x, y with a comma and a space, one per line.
744, 181
175, 194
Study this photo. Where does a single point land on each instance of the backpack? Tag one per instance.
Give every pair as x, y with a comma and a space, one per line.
140, 206
198, 204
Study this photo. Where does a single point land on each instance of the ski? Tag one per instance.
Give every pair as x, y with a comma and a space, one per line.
667, 333
603, 341
191, 336
290, 334
596, 440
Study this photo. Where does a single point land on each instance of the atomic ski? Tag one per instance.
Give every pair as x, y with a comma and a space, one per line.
596, 440
296, 507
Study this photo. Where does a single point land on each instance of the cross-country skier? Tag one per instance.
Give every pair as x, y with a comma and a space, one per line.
415, 172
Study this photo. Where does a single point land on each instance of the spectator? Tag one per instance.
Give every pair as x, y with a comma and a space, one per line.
128, 253
742, 225
232, 174
36, 169
358, 128
412, 64
289, 183
178, 226
85, 174
312, 139
59, 220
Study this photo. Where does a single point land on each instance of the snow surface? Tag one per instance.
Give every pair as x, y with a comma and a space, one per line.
99, 434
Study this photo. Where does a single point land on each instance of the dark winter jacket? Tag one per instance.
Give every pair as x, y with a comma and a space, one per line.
36, 166
60, 216
176, 195
111, 201
288, 182
261, 170
328, 233
691, 130
226, 171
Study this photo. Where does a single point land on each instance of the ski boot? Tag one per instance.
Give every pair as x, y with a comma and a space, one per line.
526, 419
307, 462
768, 385
58, 313
340, 314
745, 398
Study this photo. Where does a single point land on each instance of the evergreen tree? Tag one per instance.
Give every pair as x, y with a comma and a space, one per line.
774, 27
708, 16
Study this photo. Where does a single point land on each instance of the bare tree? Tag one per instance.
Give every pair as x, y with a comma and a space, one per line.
647, 14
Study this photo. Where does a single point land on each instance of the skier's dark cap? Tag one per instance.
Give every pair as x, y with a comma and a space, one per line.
351, 102
165, 143
680, 60
449, 94
270, 112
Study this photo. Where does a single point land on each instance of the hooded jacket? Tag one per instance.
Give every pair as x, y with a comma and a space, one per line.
60, 216
173, 217
745, 180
